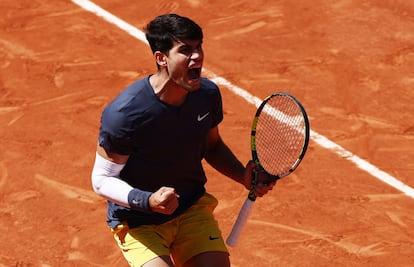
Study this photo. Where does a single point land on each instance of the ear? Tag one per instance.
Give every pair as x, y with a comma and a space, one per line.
160, 58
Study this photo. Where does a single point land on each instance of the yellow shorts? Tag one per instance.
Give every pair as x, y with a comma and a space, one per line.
194, 232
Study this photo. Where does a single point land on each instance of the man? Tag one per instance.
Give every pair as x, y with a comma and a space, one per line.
153, 138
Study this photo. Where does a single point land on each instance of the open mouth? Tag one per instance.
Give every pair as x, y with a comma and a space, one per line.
194, 74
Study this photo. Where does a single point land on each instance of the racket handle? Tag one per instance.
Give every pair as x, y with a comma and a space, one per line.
240, 222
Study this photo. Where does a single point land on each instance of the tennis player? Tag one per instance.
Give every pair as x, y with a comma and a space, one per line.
152, 140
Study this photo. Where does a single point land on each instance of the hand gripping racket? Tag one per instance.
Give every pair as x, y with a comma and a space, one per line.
279, 139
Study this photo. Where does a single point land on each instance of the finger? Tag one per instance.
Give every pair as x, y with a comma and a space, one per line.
262, 189
166, 190
171, 205
248, 174
270, 184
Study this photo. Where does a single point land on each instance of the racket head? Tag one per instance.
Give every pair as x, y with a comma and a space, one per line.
280, 135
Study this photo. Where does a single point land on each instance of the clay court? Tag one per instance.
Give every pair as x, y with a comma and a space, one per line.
350, 63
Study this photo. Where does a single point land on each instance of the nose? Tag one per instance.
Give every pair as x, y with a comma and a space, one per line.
197, 54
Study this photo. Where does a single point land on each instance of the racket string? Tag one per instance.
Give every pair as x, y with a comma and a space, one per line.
279, 135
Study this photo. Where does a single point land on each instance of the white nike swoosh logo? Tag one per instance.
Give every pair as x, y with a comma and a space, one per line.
200, 118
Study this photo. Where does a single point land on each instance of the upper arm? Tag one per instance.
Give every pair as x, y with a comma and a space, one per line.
111, 156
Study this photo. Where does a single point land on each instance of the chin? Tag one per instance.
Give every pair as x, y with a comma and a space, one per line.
193, 86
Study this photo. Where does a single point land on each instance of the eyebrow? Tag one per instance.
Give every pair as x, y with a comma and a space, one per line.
184, 44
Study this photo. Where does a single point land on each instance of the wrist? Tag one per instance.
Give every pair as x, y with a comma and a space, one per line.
139, 200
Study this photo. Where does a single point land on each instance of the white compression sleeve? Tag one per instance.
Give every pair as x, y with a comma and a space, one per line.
106, 182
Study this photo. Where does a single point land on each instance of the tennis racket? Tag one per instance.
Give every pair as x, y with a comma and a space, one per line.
279, 139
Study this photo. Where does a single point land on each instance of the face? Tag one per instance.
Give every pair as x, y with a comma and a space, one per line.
184, 63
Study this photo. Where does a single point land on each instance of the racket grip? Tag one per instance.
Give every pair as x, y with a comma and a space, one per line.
238, 226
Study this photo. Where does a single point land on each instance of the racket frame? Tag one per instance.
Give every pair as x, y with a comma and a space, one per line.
253, 135
248, 204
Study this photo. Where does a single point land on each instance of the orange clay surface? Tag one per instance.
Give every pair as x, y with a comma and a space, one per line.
349, 62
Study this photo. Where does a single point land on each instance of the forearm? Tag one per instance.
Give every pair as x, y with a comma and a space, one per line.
106, 183
221, 158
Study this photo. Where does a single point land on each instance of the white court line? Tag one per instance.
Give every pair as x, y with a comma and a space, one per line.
317, 138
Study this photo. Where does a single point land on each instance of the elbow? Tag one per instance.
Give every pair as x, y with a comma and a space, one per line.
97, 182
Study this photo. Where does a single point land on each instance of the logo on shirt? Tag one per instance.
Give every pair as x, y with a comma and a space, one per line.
200, 118
213, 237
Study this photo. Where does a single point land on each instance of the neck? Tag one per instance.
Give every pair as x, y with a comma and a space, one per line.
167, 90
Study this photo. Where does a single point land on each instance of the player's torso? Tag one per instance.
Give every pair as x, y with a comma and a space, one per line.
169, 141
